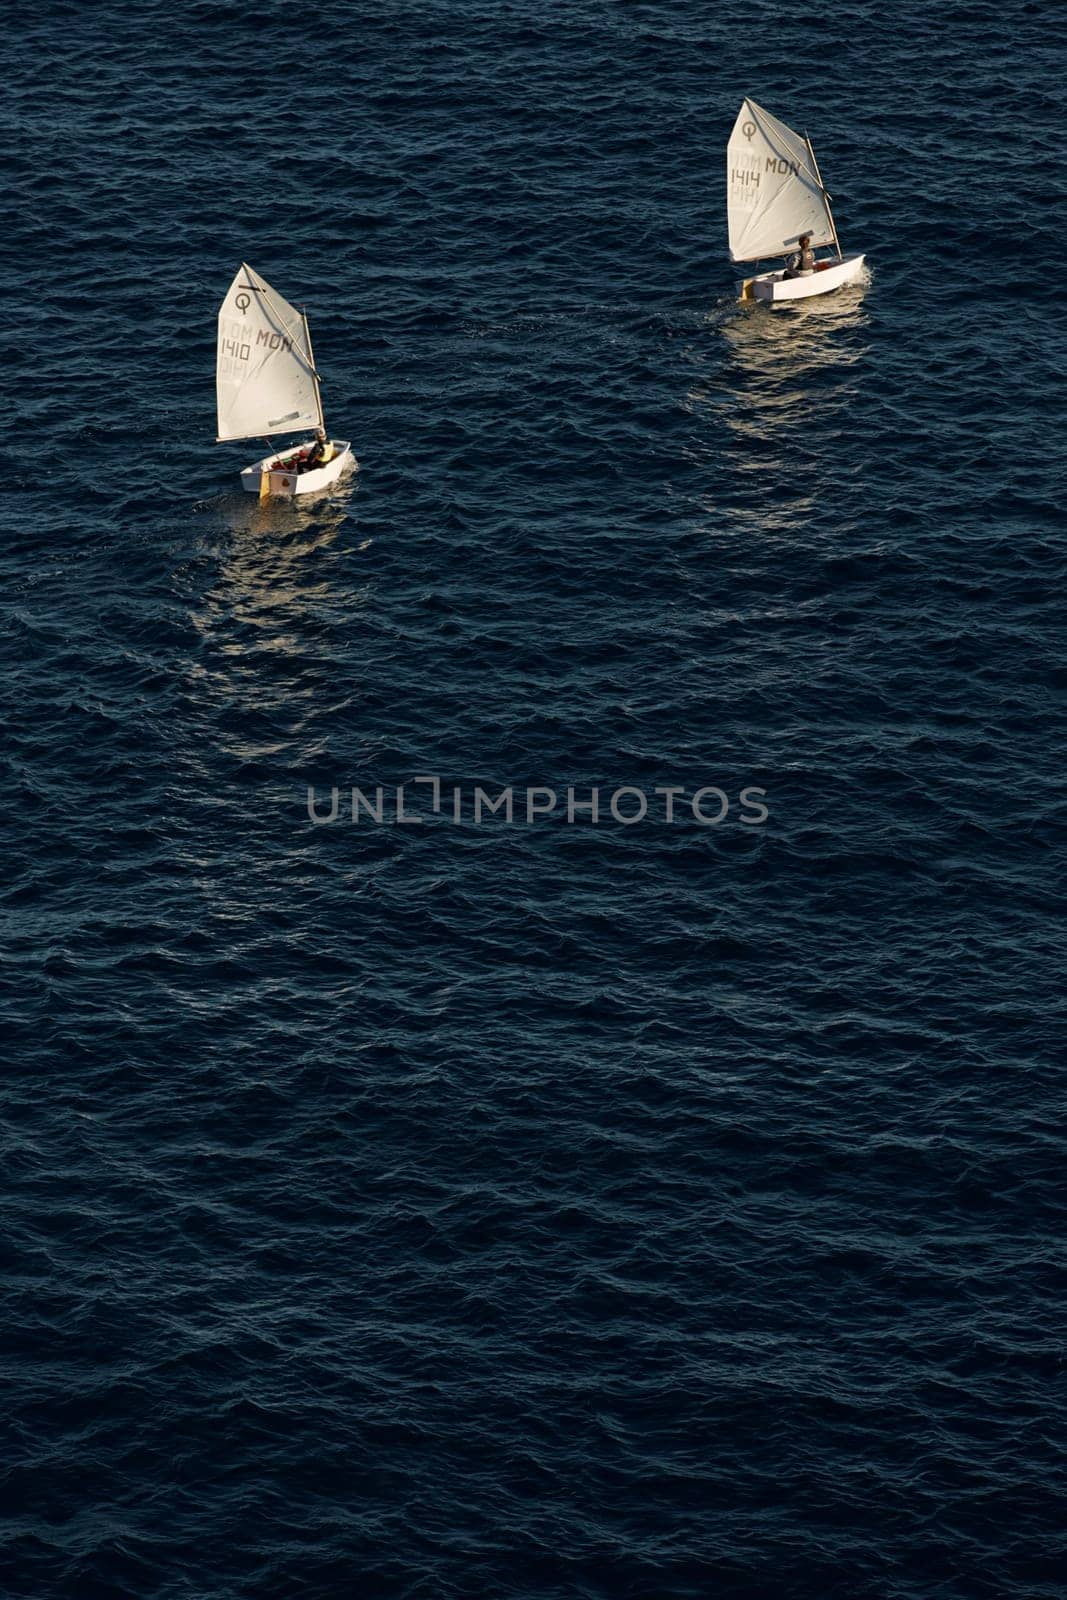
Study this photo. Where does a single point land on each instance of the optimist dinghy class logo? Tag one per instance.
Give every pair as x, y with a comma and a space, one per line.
708, 806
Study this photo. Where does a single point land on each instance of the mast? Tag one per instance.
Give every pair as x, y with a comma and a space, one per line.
314, 373
825, 199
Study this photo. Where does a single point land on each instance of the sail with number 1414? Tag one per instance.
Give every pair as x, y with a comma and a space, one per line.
775, 199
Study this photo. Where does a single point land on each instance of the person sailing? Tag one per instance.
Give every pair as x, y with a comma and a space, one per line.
802, 264
320, 452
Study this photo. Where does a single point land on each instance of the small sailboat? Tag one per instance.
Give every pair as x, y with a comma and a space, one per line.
774, 196
266, 384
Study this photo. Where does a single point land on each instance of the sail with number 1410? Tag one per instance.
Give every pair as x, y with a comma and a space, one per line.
266, 383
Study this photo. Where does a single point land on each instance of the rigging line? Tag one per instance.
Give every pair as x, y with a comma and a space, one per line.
786, 155
284, 329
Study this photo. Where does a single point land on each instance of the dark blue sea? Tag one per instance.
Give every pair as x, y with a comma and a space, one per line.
615, 1209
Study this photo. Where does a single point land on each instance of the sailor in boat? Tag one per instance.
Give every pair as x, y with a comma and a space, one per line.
319, 453
311, 456
802, 264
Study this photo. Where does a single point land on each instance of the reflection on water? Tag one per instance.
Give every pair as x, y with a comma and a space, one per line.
285, 586
780, 382
269, 540
281, 587
276, 564
791, 367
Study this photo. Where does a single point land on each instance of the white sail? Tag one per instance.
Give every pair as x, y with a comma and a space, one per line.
773, 191
265, 376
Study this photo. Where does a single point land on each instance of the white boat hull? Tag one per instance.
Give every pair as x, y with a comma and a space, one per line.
828, 275
284, 482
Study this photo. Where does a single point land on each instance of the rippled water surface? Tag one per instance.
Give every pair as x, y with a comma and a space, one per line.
635, 1211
